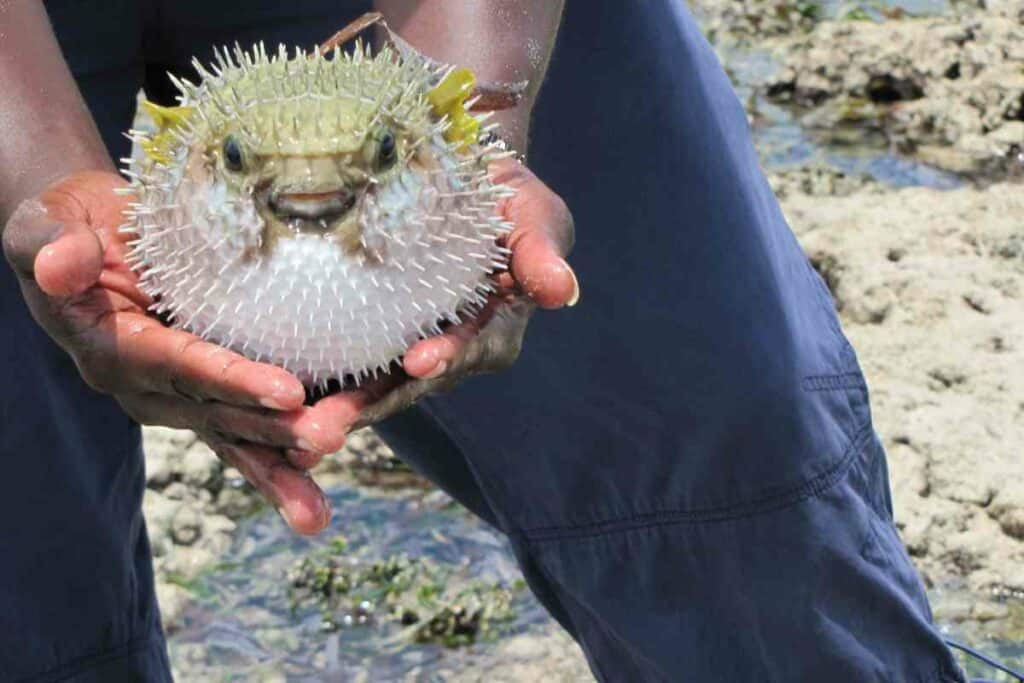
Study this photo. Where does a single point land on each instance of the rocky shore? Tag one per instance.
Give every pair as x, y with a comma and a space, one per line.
929, 285
948, 90
193, 502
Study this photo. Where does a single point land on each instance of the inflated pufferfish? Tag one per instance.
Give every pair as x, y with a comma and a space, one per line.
321, 211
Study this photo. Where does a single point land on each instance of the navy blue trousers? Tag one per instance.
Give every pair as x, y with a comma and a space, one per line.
685, 462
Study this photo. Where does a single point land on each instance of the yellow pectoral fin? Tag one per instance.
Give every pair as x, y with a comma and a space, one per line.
158, 146
448, 98
166, 117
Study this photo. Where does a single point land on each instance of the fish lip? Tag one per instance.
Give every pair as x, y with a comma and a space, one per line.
324, 206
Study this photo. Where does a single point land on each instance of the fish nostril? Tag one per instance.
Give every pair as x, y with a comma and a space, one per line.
349, 200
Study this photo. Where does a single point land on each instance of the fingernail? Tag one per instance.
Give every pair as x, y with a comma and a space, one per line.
327, 511
284, 515
437, 371
323, 514
575, 298
305, 445
271, 403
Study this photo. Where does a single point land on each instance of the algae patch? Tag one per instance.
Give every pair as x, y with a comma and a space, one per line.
432, 602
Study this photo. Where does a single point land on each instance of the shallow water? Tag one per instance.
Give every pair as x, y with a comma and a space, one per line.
995, 643
915, 7
241, 627
784, 144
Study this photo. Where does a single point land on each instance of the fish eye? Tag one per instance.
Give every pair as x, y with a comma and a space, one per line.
387, 151
232, 154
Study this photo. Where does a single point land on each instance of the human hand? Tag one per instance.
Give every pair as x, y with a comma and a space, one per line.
65, 248
538, 275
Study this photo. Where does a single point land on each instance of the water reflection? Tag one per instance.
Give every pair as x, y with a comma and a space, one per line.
241, 626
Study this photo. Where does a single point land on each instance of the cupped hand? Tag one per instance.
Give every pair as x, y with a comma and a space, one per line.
69, 257
538, 275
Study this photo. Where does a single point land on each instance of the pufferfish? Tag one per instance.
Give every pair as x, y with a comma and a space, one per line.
321, 211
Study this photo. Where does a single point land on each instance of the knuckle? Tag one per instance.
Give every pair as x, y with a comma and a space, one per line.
564, 217
12, 237
9, 242
229, 365
187, 344
172, 373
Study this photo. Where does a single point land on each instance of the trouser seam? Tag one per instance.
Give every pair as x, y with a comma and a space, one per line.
810, 488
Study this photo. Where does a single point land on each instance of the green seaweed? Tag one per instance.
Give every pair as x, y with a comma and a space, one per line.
1014, 631
432, 600
857, 14
193, 584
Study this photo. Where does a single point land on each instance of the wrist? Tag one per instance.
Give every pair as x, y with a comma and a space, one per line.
32, 181
49, 131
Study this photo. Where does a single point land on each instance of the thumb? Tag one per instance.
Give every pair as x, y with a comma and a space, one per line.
542, 236
63, 259
540, 270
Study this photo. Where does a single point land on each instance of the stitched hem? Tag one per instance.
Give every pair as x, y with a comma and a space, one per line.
849, 380
811, 488
83, 664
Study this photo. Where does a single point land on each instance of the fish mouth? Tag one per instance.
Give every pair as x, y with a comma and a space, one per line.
315, 212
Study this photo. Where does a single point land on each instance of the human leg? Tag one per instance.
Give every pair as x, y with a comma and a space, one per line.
686, 461
76, 588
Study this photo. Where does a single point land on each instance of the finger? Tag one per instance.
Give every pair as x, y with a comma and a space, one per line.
336, 411
542, 236
310, 432
70, 264
326, 424
542, 275
127, 352
432, 357
466, 349
126, 284
302, 460
62, 233
64, 259
293, 492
